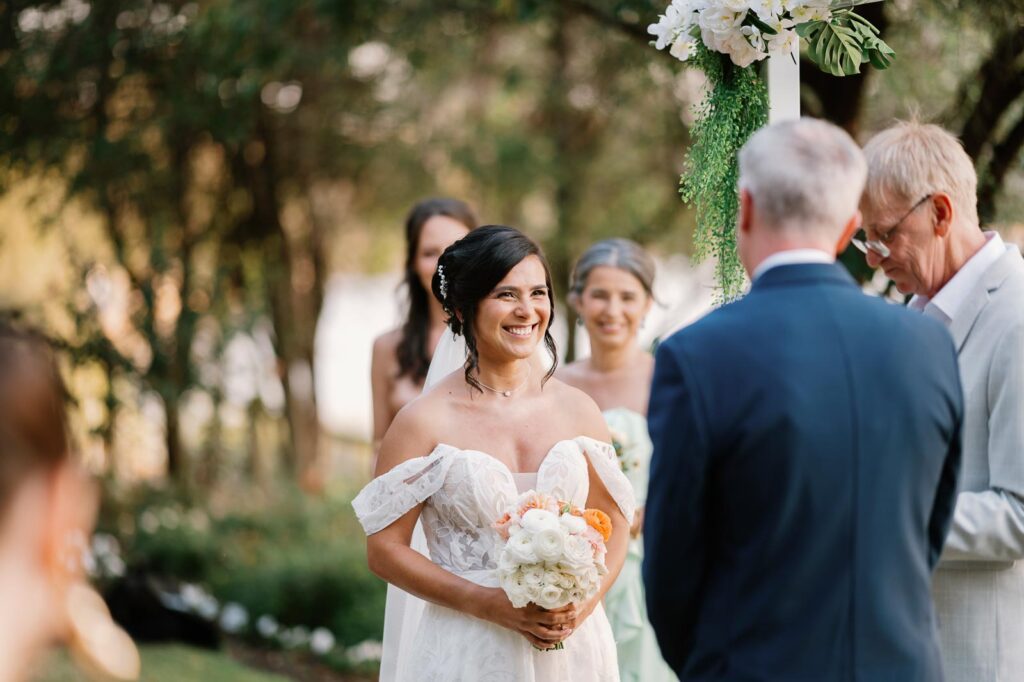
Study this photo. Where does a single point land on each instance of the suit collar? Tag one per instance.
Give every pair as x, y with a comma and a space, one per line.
981, 294
803, 273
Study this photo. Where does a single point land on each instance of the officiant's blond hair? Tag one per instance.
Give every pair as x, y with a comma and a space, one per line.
910, 160
805, 175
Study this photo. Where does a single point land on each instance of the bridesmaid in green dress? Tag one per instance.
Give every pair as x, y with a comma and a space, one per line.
612, 291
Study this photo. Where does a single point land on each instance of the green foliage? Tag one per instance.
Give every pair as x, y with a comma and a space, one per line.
736, 105
301, 560
839, 46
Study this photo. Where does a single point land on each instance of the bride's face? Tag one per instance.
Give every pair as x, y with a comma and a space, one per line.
512, 319
613, 305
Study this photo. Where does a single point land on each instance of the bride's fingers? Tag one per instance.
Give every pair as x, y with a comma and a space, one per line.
551, 634
560, 618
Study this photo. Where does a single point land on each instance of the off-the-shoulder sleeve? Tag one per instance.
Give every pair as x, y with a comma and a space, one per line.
386, 498
606, 464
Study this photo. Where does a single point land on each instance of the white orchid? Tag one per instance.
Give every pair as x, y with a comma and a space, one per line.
767, 10
754, 37
785, 41
683, 48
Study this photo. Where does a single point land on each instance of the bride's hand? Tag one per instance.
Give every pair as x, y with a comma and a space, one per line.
543, 628
583, 612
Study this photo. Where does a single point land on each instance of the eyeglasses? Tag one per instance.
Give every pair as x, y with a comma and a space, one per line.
885, 236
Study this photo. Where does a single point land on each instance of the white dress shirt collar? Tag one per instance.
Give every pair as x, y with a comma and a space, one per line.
792, 257
951, 297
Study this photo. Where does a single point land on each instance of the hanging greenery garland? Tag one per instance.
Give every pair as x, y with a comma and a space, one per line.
725, 39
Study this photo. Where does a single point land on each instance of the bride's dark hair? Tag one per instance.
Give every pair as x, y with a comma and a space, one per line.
470, 269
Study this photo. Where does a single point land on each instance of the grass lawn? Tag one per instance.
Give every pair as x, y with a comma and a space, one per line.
167, 663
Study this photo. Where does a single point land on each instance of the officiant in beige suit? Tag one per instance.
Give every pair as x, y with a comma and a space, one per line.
921, 226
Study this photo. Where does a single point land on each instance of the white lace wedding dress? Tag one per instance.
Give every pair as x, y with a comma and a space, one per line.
464, 492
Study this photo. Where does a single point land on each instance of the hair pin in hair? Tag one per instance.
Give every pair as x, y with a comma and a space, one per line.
443, 283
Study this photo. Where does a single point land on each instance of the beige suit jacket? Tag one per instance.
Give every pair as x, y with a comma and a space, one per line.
979, 585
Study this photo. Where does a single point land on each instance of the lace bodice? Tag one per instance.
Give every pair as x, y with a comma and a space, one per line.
467, 490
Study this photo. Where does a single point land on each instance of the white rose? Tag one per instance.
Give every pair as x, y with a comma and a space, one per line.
573, 523
519, 594
550, 597
536, 520
533, 576
548, 544
520, 548
578, 553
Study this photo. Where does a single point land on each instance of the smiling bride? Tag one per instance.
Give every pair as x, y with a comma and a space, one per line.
461, 453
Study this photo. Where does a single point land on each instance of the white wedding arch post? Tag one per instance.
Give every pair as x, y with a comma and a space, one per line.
784, 76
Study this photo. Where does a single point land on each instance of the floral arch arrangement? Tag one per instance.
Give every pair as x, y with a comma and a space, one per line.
727, 39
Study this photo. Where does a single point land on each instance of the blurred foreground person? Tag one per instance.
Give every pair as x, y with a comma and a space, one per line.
612, 291
806, 448
402, 356
47, 509
921, 225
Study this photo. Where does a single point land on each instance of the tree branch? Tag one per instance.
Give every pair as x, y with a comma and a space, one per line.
1001, 84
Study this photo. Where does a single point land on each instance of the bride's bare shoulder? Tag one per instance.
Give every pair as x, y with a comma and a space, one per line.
577, 407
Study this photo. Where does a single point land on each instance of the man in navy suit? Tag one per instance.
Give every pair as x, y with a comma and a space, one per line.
806, 449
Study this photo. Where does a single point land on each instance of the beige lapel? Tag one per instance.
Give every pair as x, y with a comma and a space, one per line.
981, 295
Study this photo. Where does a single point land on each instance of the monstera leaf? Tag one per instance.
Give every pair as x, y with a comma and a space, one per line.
842, 44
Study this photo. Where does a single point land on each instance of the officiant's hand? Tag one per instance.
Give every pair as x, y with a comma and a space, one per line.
543, 628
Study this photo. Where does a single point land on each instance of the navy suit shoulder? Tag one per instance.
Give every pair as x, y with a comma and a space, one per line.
806, 450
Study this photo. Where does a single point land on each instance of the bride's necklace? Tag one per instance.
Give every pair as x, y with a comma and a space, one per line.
507, 393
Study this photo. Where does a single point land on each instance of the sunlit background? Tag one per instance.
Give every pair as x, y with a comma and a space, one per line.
203, 203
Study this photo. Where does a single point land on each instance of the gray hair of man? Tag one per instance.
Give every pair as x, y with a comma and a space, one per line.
804, 176
624, 254
911, 160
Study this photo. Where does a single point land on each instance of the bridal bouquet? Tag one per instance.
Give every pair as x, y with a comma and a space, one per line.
553, 553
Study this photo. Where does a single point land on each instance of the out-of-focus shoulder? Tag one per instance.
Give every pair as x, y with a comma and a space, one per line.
387, 342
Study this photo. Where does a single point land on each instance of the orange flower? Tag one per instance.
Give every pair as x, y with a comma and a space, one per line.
599, 521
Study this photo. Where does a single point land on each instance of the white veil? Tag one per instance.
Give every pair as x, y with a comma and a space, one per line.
402, 611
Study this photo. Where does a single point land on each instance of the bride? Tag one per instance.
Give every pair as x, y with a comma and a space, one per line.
456, 456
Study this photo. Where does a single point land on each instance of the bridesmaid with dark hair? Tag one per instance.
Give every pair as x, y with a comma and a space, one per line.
401, 356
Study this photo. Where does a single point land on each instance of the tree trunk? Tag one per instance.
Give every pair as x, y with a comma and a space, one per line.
176, 465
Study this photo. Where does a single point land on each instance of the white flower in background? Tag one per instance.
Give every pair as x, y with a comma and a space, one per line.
267, 626
370, 650
295, 637
233, 618
321, 642
149, 522
675, 20
683, 48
